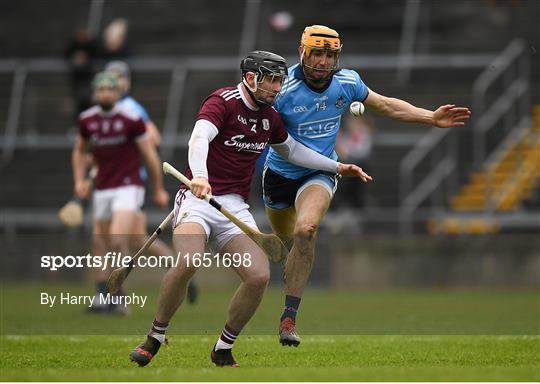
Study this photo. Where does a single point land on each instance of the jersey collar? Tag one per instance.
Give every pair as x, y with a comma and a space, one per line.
244, 98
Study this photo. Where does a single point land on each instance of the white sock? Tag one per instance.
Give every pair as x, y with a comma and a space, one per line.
158, 331
97, 303
158, 336
222, 345
226, 339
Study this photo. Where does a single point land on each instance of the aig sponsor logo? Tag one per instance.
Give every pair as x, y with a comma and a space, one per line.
300, 109
320, 128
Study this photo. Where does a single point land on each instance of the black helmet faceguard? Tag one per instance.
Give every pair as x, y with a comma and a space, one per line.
262, 64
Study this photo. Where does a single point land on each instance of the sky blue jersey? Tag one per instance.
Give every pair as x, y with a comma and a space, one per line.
133, 105
313, 117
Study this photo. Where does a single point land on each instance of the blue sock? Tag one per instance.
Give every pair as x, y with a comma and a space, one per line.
292, 303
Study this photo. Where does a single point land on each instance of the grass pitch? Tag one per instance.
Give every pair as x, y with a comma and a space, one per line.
412, 335
319, 358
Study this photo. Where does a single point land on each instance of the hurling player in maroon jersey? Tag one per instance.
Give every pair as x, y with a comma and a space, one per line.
233, 127
122, 72
117, 137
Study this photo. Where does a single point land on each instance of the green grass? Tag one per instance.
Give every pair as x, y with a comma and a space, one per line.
338, 312
319, 358
386, 335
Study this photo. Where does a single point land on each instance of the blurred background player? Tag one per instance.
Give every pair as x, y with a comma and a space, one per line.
353, 145
118, 138
297, 198
233, 127
122, 72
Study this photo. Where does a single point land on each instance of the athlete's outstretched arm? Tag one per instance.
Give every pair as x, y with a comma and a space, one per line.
297, 153
445, 116
203, 133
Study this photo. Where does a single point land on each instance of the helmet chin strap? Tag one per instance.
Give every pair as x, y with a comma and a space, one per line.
249, 87
251, 90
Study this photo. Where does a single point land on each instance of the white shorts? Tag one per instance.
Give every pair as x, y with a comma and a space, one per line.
219, 230
108, 201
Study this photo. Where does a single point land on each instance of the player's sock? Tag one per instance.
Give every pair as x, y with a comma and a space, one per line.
101, 287
101, 290
158, 331
227, 338
292, 303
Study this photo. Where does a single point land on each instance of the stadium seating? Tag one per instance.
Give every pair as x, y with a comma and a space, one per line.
503, 185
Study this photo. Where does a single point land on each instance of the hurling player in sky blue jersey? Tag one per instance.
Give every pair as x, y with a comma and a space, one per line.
317, 93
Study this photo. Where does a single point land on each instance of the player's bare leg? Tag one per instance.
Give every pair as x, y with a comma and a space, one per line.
189, 239
157, 248
254, 275
311, 206
282, 222
254, 272
100, 241
121, 229
120, 234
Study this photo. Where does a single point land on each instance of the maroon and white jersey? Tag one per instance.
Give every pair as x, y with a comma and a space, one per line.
112, 136
243, 134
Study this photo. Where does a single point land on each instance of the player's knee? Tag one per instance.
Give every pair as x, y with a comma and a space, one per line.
259, 279
305, 232
120, 243
182, 273
99, 244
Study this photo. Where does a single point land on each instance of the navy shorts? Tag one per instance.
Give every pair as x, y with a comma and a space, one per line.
280, 192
